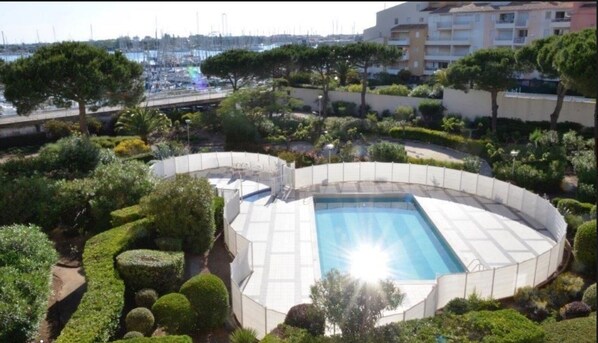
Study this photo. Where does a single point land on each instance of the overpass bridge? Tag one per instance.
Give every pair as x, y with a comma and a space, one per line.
16, 125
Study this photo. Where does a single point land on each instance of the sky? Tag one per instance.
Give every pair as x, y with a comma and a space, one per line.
32, 22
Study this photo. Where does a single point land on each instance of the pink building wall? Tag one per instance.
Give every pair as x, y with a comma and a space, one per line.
583, 16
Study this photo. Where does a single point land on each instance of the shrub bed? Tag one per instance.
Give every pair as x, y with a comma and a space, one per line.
574, 207
160, 339
98, 314
142, 268
471, 146
125, 215
579, 330
308, 317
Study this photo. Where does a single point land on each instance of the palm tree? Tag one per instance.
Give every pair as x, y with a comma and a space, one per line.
142, 121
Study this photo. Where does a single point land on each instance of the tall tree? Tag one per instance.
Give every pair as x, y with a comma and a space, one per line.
72, 72
322, 60
364, 55
540, 56
237, 66
493, 70
577, 61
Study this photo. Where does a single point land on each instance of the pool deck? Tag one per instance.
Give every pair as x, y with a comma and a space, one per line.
483, 234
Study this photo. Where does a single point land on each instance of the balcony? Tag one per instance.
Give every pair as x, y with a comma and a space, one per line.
505, 23
462, 25
443, 25
503, 41
448, 41
520, 40
521, 23
441, 57
560, 23
398, 41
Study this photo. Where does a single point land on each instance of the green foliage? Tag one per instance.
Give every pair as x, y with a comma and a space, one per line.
584, 164
576, 60
242, 335
471, 146
218, 205
452, 124
108, 142
431, 111
564, 289
239, 131
164, 150
584, 246
354, 88
169, 244
57, 128
457, 306
173, 311
131, 147
580, 330
146, 297
98, 313
575, 309
72, 72
355, 306
182, 208
538, 178
589, 296
151, 268
421, 91
27, 200
125, 215
26, 260
344, 108
308, 317
142, 122
472, 164
394, 89
132, 334
140, 319
404, 113
472, 303
209, 298
235, 66
502, 326
157, 339
593, 212
70, 157
388, 152
574, 207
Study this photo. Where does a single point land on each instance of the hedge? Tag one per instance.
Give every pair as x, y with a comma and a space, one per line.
471, 146
98, 314
159, 339
125, 215
579, 330
574, 207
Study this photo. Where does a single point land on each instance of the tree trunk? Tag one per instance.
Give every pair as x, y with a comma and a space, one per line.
83, 119
364, 85
494, 95
324, 104
560, 96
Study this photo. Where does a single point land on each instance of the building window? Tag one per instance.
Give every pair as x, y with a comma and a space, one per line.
421, 20
415, 64
547, 15
416, 34
506, 18
442, 65
559, 15
396, 21
522, 33
416, 49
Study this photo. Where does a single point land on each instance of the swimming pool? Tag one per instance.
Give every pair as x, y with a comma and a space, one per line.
255, 196
386, 235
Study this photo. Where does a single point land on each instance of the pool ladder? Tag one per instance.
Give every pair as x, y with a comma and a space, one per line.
476, 267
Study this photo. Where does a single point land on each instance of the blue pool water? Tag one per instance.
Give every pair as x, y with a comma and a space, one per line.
394, 225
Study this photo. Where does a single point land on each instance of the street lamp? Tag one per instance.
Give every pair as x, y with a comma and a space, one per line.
320, 105
514, 154
329, 146
188, 121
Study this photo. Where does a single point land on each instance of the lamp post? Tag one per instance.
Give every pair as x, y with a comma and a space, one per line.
329, 146
514, 154
188, 121
320, 106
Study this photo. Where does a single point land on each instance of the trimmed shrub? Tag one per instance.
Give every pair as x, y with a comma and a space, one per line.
169, 244
146, 298
502, 326
308, 317
574, 207
140, 319
404, 113
159, 339
471, 146
589, 296
457, 306
579, 330
344, 108
565, 288
57, 128
144, 268
173, 311
26, 259
98, 313
70, 157
242, 335
584, 246
125, 215
472, 164
109, 142
593, 212
219, 213
575, 309
209, 298
397, 90
421, 91
131, 147
431, 111
132, 334
25, 200
388, 152
183, 208
573, 222
476, 303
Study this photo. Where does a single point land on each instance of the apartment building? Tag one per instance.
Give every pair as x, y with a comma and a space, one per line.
455, 29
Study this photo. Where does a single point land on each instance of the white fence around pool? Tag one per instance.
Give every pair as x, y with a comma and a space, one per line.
497, 283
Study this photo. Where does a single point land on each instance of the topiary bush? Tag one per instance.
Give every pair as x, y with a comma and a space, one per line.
125, 215
306, 316
394, 89
183, 208
140, 319
457, 306
584, 247
589, 296
242, 335
173, 311
575, 309
209, 298
144, 268
26, 260
169, 244
387, 152
146, 297
132, 334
